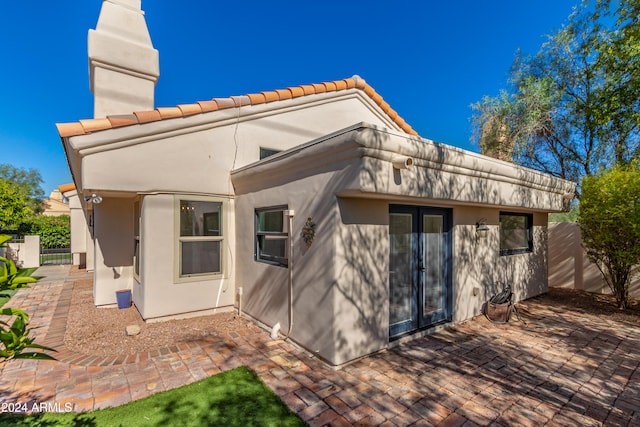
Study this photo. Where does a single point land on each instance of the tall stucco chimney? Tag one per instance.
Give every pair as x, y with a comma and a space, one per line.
123, 65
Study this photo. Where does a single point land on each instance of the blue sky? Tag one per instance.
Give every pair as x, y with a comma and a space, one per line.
428, 59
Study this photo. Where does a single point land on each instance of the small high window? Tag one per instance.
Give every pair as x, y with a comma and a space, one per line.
272, 236
516, 233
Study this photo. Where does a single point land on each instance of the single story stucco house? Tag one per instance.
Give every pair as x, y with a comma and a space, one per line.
315, 209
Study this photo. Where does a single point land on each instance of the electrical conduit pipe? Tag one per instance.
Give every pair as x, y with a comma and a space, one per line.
290, 213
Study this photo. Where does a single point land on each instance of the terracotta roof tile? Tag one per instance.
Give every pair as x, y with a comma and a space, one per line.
183, 110
359, 82
319, 87
224, 103
169, 112
340, 84
392, 114
308, 89
92, 125
296, 91
241, 101
257, 98
66, 187
123, 120
69, 129
271, 96
190, 109
377, 99
330, 86
284, 94
148, 116
369, 90
208, 106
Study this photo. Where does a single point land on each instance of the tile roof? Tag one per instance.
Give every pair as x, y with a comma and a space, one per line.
66, 187
83, 127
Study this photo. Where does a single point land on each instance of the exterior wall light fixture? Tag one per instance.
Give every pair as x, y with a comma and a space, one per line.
481, 229
96, 199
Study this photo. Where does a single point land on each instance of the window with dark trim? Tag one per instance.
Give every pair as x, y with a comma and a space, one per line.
272, 236
516, 233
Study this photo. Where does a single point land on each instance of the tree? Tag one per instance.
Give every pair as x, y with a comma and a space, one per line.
14, 206
27, 182
574, 108
610, 223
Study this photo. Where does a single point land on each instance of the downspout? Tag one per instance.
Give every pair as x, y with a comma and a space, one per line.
290, 214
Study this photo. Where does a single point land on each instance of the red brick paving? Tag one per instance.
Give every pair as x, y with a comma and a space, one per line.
562, 368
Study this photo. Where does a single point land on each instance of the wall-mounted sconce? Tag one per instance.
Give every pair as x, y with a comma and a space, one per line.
481, 228
309, 232
402, 162
94, 198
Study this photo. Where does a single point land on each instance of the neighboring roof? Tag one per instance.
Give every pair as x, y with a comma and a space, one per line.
83, 127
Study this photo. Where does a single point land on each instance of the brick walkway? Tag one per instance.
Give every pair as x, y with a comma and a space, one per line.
562, 368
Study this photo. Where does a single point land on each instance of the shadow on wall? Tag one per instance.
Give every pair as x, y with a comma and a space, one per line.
363, 281
362, 278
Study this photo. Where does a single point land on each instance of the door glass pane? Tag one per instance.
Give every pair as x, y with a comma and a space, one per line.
432, 257
400, 272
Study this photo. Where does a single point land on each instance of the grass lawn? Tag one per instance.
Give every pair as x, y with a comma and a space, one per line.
232, 398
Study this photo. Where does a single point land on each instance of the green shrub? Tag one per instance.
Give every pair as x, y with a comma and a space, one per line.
610, 225
54, 231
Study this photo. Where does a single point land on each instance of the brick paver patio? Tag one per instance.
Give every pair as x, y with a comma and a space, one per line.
562, 368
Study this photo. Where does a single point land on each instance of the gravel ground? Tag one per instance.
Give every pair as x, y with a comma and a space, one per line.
101, 331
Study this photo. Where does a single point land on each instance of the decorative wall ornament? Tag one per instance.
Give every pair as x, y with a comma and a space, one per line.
309, 232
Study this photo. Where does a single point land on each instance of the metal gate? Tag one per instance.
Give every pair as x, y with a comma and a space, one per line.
55, 256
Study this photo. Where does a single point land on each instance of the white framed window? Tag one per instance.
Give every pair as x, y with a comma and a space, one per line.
200, 237
516, 233
272, 236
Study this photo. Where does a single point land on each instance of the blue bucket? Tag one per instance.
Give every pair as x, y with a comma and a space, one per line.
124, 298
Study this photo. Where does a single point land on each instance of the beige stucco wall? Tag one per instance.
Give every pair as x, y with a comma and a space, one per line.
123, 64
569, 266
361, 282
341, 296
341, 284
24, 255
113, 239
480, 269
159, 292
192, 155
154, 157
266, 287
78, 224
